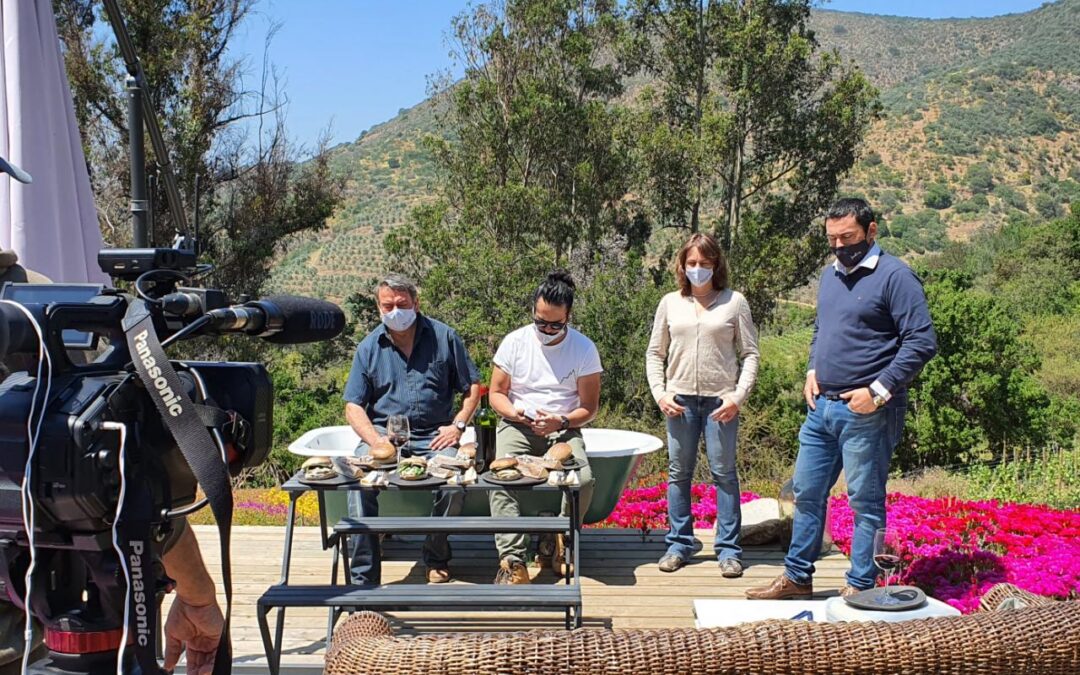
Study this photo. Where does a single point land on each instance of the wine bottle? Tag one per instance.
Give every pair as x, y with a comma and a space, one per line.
486, 421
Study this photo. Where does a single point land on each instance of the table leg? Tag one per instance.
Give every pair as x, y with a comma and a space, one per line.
322, 520
264, 631
286, 560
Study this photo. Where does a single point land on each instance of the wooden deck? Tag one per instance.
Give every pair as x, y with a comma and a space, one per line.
621, 585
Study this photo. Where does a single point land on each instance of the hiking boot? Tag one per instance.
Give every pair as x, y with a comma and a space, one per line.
512, 572
559, 561
545, 550
731, 568
781, 588
671, 562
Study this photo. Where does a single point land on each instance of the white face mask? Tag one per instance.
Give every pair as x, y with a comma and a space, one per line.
546, 339
699, 276
399, 319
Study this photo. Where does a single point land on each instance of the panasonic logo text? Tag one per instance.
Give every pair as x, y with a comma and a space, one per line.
138, 593
161, 385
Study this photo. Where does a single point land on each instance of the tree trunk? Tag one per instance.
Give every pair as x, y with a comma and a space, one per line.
734, 196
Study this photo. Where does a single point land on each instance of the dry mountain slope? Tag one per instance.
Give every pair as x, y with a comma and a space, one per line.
982, 123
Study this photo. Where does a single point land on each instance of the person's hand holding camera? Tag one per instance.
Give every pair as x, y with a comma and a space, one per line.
195, 620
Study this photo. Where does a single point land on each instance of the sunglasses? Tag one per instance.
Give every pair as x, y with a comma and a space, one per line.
554, 325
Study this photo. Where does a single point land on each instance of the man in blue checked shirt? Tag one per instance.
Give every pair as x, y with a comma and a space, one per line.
415, 366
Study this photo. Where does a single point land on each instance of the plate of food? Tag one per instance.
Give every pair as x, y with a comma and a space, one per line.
560, 457
511, 473
381, 457
412, 472
467, 451
320, 471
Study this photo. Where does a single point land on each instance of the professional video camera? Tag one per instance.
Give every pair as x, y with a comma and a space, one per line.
97, 458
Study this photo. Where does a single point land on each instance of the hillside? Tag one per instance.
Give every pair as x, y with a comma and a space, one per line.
981, 121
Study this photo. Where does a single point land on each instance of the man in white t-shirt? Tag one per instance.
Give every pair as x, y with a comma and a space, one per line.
546, 386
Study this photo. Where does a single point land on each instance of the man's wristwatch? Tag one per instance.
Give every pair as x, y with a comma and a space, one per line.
879, 400
460, 426
565, 423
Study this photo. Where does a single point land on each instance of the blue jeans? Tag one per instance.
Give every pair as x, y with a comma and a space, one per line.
834, 438
365, 554
684, 436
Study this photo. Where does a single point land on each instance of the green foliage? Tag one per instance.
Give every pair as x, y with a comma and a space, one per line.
745, 106
1047, 206
534, 175
979, 394
616, 310
913, 233
977, 204
979, 178
1011, 197
307, 394
1050, 476
938, 196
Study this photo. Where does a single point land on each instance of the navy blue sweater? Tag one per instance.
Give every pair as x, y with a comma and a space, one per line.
872, 324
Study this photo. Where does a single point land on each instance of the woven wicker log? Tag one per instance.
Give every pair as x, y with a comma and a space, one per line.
1040, 640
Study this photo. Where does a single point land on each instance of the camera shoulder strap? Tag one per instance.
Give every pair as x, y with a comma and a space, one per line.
133, 527
187, 428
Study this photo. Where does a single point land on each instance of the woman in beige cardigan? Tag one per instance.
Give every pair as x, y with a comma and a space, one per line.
702, 334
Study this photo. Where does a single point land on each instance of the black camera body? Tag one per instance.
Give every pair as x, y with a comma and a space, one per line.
79, 583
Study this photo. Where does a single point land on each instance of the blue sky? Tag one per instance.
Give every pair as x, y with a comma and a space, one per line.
351, 64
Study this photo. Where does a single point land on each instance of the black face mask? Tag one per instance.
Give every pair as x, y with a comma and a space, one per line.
849, 256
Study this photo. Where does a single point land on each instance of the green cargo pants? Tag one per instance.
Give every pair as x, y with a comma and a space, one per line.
519, 439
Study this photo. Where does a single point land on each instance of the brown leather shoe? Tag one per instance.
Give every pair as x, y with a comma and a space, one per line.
781, 588
512, 572
848, 590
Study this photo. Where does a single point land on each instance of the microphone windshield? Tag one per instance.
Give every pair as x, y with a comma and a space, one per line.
304, 319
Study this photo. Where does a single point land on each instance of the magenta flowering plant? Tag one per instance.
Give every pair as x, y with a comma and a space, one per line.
645, 508
955, 550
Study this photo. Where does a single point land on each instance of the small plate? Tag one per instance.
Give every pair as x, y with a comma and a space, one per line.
427, 482
524, 481
334, 481
908, 597
381, 467
575, 465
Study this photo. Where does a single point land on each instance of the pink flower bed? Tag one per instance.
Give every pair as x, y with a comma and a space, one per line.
645, 508
956, 550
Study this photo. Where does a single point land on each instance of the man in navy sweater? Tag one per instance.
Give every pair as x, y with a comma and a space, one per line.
872, 336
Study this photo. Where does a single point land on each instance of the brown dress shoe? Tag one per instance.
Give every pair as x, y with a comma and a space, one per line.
781, 588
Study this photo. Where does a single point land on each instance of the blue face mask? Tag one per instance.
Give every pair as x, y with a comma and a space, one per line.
699, 276
399, 319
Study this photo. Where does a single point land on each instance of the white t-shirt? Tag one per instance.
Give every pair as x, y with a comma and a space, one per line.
545, 378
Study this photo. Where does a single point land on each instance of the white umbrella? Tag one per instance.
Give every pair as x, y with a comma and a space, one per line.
51, 223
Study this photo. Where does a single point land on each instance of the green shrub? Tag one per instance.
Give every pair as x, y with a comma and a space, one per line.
1011, 197
938, 196
979, 179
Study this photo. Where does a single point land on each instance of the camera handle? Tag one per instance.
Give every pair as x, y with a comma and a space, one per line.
191, 436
